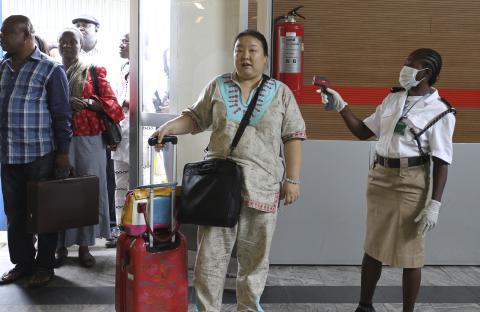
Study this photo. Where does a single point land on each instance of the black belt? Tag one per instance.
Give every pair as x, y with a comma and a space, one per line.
395, 162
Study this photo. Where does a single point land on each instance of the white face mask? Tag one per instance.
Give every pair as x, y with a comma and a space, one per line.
407, 77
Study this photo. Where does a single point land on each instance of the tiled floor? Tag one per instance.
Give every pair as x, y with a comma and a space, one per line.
289, 288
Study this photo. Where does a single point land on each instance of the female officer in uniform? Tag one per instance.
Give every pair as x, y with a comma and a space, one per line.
401, 205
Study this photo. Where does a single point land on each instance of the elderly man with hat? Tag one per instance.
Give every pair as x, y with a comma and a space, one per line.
88, 26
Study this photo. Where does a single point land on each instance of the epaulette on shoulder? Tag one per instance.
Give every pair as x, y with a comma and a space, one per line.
450, 106
396, 89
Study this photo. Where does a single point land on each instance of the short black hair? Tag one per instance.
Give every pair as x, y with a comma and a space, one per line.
430, 59
41, 44
256, 34
22, 19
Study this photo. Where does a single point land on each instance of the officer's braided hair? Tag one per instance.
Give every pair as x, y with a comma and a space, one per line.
430, 59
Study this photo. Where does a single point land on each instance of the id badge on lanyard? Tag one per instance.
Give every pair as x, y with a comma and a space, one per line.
400, 127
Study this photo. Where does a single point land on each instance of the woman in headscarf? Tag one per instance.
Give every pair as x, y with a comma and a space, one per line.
87, 150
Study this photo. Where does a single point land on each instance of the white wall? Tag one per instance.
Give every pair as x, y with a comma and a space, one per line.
327, 224
49, 17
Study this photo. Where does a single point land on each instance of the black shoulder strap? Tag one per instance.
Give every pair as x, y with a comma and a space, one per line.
246, 117
436, 119
93, 74
416, 135
396, 89
447, 103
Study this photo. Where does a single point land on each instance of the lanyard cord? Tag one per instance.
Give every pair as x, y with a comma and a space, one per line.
411, 106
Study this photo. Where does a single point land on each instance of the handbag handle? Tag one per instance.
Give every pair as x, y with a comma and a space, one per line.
152, 233
96, 89
246, 117
93, 74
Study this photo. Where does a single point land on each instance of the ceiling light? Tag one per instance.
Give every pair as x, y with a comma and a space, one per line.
199, 5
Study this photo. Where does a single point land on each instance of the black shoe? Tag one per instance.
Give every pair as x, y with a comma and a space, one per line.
111, 243
13, 275
364, 309
86, 259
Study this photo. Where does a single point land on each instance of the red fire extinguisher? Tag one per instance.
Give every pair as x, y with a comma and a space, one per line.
288, 53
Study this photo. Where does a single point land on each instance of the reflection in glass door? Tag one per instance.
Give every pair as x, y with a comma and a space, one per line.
177, 47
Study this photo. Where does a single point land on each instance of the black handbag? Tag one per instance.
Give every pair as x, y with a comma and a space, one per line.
113, 132
211, 189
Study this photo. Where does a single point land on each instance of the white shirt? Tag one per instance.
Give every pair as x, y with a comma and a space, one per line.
123, 86
437, 141
107, 58
122, 153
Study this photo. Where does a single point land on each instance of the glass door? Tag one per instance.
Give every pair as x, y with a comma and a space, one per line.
176, 48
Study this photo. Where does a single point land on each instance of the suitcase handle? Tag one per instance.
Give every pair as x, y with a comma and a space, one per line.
174, 225
148, 186
166, 139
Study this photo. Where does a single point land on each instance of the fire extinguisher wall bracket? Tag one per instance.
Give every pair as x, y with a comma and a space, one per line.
288, 50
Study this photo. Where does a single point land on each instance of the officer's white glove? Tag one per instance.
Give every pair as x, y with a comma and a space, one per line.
338, 102
428, 217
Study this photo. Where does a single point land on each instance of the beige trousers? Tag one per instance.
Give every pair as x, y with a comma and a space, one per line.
253, 235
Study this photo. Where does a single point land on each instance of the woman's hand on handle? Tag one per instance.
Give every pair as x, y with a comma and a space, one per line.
180, 125
159, 134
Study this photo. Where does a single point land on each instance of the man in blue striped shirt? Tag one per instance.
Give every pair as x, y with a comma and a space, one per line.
35, 133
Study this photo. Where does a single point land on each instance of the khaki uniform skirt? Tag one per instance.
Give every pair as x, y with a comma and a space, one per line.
395, 196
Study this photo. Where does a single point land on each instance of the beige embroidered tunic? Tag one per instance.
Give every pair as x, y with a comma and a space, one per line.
275, 120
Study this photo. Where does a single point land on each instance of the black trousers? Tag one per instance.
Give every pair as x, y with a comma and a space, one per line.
111, 185
14, 189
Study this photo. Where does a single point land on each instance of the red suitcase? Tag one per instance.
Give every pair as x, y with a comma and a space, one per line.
151, 275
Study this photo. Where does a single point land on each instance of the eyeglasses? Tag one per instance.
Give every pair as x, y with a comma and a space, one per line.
84, 25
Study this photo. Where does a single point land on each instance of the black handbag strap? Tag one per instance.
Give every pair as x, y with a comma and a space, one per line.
96, 89
246, 117
93, 74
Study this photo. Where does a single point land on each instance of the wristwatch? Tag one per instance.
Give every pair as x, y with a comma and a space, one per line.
90, 101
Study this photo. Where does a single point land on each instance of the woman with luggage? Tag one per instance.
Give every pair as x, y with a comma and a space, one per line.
402, 206
276, 120
87, 150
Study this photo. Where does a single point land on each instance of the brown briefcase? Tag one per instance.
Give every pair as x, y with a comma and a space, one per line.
54, 205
